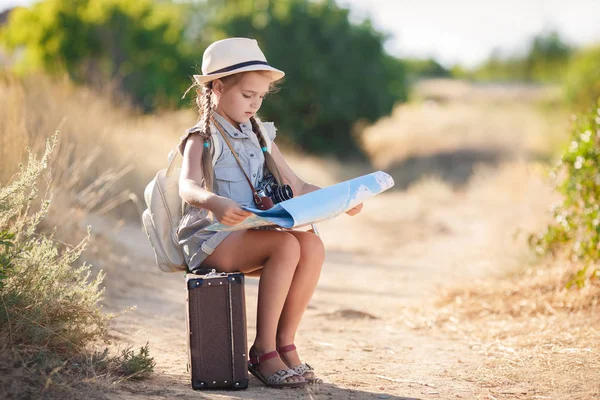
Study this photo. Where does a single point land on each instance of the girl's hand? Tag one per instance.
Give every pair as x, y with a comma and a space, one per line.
355, 210
228, 212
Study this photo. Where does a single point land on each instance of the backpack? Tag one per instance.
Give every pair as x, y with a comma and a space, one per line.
165, 209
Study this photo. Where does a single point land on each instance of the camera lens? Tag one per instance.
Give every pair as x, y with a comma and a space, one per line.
282, 193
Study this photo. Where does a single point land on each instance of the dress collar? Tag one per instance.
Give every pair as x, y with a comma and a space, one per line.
244, 131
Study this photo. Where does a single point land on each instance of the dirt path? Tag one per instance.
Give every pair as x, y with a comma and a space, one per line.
358, 330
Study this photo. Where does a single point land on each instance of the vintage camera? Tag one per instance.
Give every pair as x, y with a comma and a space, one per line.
268, 187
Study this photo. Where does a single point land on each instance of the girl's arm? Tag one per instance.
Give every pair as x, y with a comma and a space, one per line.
225, 210
191, 175
299, 187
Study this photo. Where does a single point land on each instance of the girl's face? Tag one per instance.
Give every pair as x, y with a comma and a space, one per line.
238, 101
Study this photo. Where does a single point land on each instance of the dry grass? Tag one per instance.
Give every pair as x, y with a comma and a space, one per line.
536, 337
107, 152
464, 126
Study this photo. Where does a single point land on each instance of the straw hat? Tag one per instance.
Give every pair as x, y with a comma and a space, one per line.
231, 56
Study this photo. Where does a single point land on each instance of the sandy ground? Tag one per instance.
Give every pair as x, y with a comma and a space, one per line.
382, 271
468, 192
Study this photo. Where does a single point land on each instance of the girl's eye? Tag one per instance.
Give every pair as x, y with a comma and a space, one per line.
246, 96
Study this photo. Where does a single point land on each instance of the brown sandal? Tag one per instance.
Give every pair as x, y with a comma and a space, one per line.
302, 368
276, 380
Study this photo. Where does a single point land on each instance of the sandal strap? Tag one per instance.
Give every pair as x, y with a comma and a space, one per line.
263, 357
280, 376
287, 349
303, 368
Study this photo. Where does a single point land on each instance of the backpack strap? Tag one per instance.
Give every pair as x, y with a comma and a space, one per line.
217, 148
172, 157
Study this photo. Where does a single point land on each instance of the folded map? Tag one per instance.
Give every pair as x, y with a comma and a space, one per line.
317, 206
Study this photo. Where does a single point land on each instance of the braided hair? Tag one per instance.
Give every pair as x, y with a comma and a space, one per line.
204, 103
269, 161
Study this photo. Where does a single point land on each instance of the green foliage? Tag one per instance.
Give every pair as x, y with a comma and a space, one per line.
6, 254
135, 366
417, 68
127, 364
583, 78
337, 73
545, 60
136, 44
459, 72
576, 227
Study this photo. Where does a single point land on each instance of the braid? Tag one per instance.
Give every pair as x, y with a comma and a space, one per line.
256, 129
204, 108
271, 166
204, 102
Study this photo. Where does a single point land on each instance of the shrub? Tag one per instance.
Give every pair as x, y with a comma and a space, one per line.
44, 300
49, 310
582, 84
576, 226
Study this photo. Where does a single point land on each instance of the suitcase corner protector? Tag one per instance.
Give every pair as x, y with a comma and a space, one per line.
241, 384
236, 278
194, 283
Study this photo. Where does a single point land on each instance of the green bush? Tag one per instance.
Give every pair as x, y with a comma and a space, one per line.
50, 315
582, 84
417, 68
545, 60
576, 227
137, 45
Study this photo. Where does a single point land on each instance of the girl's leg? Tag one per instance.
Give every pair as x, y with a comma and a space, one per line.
312, 255
306, 276
279, 254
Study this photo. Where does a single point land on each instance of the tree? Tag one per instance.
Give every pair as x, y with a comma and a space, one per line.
137, 44
547, 58
425, 68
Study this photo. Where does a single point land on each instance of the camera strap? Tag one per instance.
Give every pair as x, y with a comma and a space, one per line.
257, 199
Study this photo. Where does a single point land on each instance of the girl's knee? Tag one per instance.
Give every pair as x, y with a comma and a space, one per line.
312, 246
287, 245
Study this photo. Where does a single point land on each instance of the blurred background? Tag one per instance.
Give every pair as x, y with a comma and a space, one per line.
427, 91
349, 64
142, 54
470, 106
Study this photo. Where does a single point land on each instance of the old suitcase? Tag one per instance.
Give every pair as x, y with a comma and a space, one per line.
217, 347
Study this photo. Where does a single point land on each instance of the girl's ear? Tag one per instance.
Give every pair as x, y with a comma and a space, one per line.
217, 87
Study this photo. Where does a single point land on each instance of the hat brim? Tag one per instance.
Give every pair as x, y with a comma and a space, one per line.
275, 73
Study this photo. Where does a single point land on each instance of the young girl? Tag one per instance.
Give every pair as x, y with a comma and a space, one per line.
235, 78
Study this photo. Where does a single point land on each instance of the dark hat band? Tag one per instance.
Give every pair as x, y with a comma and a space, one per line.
236, 66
